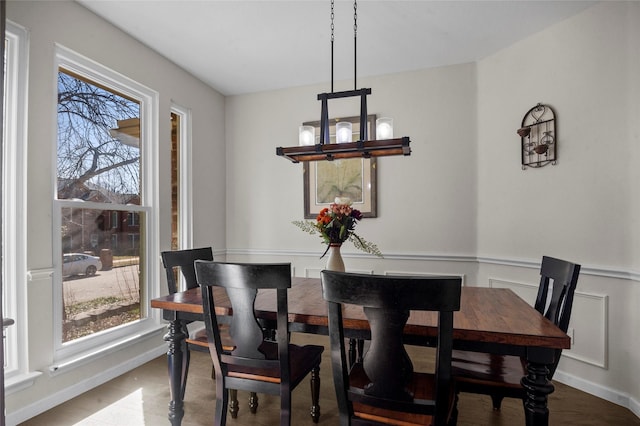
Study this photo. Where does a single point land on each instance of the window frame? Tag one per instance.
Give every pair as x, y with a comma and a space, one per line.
71, 61
14, 204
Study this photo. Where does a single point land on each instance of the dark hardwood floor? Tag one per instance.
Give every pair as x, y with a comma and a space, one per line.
140, 397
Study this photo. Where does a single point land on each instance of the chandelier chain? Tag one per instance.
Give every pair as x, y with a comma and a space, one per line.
355, 44
332, 37
355, 18
332, 26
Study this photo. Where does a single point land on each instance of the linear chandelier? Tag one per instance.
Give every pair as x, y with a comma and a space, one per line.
363, 148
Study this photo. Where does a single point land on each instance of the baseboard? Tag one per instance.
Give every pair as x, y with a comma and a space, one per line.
44, 404
603, 392
634, 406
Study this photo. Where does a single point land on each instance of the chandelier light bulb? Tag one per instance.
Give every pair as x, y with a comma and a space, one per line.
384, 128
307, 135
344, 132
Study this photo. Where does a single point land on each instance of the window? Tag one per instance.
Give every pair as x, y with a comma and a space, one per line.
105, 167
98, 161
176, 123
133, 219
14, 205
181, 216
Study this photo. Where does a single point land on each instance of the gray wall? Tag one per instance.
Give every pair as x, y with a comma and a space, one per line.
70, 25
460, 204
584, 209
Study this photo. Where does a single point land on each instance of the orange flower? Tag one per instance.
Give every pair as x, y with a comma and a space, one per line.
322, 216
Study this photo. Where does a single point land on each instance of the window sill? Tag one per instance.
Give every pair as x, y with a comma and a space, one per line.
65, 365
20, 381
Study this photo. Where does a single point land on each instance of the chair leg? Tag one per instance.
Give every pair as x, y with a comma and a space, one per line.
359, 358
315, 394
453, 420
222, 401
185, 370
234, 407
253, 402
285, 406
497, 401
353, 352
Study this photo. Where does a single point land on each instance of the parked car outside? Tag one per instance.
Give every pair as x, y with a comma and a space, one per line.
80, 263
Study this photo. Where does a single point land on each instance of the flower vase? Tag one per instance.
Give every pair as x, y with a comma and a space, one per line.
334, 262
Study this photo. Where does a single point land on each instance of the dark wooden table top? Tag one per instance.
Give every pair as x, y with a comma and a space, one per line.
490, 315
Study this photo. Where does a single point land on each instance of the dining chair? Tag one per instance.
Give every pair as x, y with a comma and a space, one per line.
257, 363
182, 262
383, 388
499, 375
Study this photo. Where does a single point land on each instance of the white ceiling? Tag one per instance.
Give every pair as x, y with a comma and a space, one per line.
250, 46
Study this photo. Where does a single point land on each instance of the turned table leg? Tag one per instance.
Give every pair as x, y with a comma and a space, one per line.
537, 387
175, 360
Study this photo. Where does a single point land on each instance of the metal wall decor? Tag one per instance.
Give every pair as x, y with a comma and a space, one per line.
538, 137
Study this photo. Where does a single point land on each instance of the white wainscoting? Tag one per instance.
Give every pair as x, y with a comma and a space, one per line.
588, 317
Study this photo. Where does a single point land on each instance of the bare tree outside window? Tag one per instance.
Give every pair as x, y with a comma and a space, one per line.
93, 152
98, 161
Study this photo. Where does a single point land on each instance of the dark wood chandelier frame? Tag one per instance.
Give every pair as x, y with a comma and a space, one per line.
363, 148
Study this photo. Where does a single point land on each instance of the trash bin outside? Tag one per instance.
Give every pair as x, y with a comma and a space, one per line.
106, 257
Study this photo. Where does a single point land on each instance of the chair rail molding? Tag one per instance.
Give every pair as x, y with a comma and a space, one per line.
599, 271
39, 274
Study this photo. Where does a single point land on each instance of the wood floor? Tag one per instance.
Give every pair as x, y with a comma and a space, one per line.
140, 398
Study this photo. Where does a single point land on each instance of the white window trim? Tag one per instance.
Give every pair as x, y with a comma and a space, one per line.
14, 204
95, 346
185, 206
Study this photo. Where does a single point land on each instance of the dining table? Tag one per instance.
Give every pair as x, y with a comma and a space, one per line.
491, 320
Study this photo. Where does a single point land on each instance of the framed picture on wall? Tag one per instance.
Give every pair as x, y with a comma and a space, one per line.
354, 178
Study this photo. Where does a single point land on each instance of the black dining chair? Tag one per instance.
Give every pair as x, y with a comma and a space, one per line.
257, 363
182, 262
499, 375
383, 388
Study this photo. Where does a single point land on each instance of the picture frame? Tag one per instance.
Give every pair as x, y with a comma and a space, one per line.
354, 178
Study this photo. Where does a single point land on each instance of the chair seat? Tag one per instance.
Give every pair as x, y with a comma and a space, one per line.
199, 340
422, 386
488, 369
301, 358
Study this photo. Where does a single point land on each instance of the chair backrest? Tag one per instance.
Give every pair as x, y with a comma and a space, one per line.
242, 282
386, 301
563, 277
183, 259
